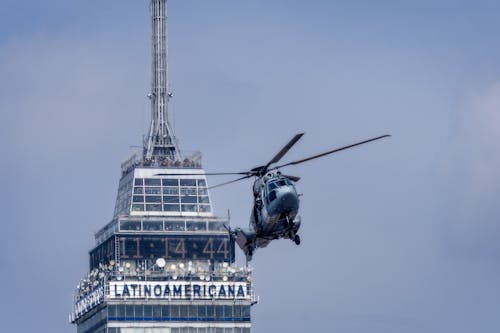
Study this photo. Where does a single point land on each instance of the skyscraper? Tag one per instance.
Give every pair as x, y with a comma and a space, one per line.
165, 263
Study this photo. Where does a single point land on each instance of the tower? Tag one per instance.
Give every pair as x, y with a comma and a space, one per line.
164, 263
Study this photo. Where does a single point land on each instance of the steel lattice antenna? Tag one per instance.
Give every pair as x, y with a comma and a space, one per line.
161, 141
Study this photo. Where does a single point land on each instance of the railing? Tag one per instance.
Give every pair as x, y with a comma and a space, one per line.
193, 161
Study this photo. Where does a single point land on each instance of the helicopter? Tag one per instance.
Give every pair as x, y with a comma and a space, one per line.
275, 200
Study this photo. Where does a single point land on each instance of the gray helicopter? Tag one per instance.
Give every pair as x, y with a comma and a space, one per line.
276, 201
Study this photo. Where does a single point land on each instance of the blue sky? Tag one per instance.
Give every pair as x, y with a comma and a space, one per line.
398, 236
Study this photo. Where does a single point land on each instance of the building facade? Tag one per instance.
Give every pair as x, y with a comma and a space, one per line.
165, 263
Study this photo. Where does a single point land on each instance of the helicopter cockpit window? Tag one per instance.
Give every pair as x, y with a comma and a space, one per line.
272, 196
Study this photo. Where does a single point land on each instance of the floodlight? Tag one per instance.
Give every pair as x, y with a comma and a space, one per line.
160, 262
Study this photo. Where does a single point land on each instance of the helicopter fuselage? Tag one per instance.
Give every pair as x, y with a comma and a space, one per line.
274, 213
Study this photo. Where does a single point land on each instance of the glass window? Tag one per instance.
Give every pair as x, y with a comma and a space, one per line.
219, 311
195, 226
152, 225
153, 207
150, 198
129, 312
188, 199
245, 311
188, 208
170, 208
157, 311
237, 311
202, 182
152, 190
138, 198
170, 182
139, 181
213, 226
148, 311
120, 311
210, 311
138, 312
203, 199
171, 191
228, 311
138, 190
204, 208
171, 199
193, 311
202, 311
174, 225
165, 311
152, 182
137, 207
219, 330
174, 311
202, 191
112, 311
188, 191
272, 196
130, 225
188, 182
245, 330
184, 311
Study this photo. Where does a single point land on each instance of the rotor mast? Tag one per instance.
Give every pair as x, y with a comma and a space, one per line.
161, 141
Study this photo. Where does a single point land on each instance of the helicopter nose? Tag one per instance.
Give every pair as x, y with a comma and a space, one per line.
289, 200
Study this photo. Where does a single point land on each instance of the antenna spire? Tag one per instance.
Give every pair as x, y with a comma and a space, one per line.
161, 141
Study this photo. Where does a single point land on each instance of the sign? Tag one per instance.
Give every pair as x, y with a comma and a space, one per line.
178, 290
93, 299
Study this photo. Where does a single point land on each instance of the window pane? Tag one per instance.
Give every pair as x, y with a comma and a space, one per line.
153, 207
165, 311
171, 208
129, 311
204, 208
219, 311
202, 191
152, 182
174, 311
203, 199
188, 199
188, 208
137, 207
138, 190
138, 312
171, 199
153, 198
138, 198
157, 311
184, 311
130, 225
120, 313
188, 191
210, 311
193, 311
152, 225
195, 226
111, 311
170, 182
228, 311
148, 311
202, 313
171, 191
202, 182
245, 311
188, 182
138, 181
152, 190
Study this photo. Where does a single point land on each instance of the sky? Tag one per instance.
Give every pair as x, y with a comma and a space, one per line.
401, 235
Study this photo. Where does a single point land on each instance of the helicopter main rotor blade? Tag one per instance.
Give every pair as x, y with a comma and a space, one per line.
229, 182
332, 151
283, 150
